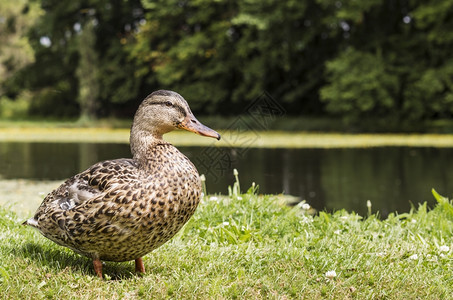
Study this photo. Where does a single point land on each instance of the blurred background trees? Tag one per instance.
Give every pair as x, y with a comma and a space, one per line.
387, 60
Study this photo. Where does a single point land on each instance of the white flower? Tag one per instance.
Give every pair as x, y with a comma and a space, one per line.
444, 248
337, 231
239, 197
202, 177
380, 254
413, 257
434, 258
235, 172
226, 223
413, 221
331, 274
305, 206
306, 220
213, 198
368, 203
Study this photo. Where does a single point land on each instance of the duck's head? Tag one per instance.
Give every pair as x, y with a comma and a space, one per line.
164, 111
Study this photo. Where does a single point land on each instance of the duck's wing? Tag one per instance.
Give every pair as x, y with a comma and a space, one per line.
79, 192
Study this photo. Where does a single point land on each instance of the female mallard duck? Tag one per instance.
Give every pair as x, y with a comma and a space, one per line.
120, 210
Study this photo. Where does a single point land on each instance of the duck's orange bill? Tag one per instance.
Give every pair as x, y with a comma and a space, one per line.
190, 123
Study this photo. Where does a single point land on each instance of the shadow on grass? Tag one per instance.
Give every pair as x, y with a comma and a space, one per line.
60, 259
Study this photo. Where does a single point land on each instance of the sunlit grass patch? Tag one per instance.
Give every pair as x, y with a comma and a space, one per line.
257, 139
247, 245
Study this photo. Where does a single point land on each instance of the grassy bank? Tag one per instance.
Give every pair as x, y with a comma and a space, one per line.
251, 247
272, 139
117, 131
263, 122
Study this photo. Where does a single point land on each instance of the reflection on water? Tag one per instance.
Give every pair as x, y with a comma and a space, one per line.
332, 179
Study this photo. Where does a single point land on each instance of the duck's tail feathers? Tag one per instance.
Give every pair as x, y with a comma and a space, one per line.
31, 222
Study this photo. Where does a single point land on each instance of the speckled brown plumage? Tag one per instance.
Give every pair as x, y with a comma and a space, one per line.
120, 210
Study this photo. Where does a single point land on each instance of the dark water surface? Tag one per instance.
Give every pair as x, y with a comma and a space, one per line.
390, 177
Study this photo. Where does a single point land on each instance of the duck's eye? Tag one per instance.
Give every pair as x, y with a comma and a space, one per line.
168, 103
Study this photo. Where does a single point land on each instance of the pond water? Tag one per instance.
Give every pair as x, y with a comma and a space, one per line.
328, 179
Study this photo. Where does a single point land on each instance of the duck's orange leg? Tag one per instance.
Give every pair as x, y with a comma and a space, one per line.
139, 266
98, 267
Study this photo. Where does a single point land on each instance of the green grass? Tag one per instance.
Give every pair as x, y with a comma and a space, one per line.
117, 131
272, 139
250, 246
266, 122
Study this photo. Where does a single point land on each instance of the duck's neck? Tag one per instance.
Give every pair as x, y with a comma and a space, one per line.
141, 142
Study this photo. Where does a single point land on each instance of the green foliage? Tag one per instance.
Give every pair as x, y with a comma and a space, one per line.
360, 85
48, 101
220, 52
16, 18
381, 59
435, 18
184, 47
398, 69
54, 78
88, 71
351, 10
14, 109
432, 93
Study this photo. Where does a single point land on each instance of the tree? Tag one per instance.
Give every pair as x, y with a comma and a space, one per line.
383, 59
88, 71
185, 46
225, 52
393, 62
360, 85
54, 78
431, 93
16, 18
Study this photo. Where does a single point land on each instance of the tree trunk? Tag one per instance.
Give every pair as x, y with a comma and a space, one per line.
88, 72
